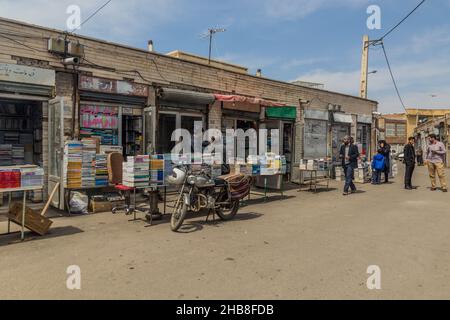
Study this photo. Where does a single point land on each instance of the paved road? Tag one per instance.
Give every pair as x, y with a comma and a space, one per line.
310, 246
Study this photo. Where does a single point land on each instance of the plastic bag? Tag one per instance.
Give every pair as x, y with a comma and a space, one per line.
79, 203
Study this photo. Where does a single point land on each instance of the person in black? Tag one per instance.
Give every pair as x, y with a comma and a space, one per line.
349, 155
419, 154
385, 150
410, 162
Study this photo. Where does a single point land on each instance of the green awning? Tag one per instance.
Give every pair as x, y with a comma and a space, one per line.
289, 113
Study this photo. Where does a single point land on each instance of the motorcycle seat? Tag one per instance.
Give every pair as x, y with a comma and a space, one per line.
220, 182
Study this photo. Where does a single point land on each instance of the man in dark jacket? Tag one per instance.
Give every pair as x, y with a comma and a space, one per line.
349, 155
410, 162
385, 150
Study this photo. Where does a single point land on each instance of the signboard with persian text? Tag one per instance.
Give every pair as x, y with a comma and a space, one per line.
113, 86
28, 75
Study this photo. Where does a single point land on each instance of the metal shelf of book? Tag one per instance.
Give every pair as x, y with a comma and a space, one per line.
100, 122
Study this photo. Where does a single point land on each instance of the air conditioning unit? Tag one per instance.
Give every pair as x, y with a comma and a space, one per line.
57, 45
75, 49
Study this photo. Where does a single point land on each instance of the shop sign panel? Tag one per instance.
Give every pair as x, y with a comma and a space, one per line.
27, 75
113, 86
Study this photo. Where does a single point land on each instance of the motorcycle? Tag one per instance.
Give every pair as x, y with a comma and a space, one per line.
199, 191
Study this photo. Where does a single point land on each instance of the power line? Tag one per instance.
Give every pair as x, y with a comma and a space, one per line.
380, 40
92, 15
392, 76
403, 20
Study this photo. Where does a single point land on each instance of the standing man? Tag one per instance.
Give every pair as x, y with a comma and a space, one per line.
410, 162
349, 155
435, 159
385, 150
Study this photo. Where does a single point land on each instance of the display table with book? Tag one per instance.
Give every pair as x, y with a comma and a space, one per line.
23, 179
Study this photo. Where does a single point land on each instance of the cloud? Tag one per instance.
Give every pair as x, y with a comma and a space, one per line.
298, 9
295, 63
117, 21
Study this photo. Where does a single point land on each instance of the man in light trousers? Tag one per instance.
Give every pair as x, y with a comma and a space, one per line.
435, 160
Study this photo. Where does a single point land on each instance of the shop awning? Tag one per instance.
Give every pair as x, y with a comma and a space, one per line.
288, 113
316, 115
343, 118
28, 89
243, 99
184, 96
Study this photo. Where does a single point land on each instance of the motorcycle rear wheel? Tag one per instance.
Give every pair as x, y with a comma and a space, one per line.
229, 213
178, 216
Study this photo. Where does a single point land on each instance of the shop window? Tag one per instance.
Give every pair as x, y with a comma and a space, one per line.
401, 130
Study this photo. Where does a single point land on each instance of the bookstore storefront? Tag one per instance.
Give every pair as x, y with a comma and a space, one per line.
113, 112
24, 95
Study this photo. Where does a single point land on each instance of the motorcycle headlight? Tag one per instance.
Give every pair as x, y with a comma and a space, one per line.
191, 180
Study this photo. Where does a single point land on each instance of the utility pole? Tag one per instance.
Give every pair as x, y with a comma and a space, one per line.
364, 67
211, 33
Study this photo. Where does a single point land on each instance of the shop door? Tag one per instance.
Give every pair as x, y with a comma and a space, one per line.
56, 151
169, 122
338, 134
287, 146
363, 138
315, 146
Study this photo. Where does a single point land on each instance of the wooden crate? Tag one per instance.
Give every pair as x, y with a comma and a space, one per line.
33, 221
101, 206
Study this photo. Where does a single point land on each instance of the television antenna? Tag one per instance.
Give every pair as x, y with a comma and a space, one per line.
210, 34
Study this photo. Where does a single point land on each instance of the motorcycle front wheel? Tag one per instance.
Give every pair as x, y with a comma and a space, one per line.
178, 216
228, 212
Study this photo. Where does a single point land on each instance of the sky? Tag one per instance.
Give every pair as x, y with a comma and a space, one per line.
309, 40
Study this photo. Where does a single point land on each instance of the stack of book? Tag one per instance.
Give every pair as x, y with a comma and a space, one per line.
88, 163
101, 170
73, 159
11, 138
18, 155
5, 155
157, 169
136, 172
32, 177
9, 178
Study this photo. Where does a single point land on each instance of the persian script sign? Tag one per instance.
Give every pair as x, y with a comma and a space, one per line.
28, 75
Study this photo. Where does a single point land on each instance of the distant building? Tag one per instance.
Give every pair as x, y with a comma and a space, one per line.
393, 129
416, 117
